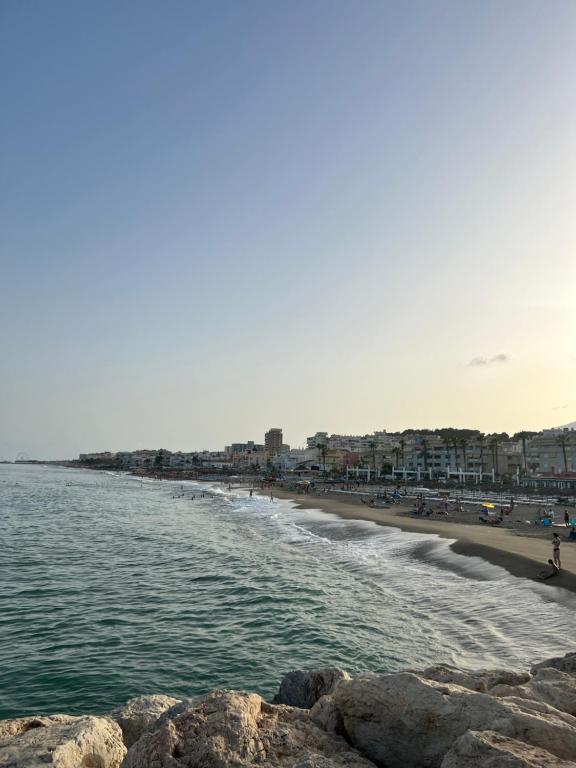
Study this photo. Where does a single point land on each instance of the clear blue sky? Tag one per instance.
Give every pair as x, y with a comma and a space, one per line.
223, 216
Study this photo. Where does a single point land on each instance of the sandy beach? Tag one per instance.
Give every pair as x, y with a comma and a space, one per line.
522, 554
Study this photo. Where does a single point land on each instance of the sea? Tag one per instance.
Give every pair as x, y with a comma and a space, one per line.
112, 587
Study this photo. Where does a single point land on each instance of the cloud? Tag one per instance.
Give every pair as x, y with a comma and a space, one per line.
502, 357
560, 407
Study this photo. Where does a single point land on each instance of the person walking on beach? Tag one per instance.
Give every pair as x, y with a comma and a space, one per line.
566, 518
556, 550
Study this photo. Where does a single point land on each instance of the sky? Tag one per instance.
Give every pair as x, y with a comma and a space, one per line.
222, 216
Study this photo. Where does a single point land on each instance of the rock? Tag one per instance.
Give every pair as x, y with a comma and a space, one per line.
487, 749
175, 710
550, 685
20, 725
228, 730
405, 721
62, 742
303, 688
326, 716
138, 715
482, 680
563, 663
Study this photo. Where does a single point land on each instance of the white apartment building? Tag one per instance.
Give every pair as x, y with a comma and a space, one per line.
552, 451
295, 458
355, 443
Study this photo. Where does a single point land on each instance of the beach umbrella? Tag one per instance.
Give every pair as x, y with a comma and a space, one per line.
488, 505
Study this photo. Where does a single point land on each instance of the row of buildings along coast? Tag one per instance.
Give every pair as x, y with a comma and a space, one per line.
462, 455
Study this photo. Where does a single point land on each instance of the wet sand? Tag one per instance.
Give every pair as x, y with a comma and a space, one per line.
521, 555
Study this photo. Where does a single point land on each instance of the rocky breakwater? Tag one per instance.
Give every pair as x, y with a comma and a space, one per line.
438, 717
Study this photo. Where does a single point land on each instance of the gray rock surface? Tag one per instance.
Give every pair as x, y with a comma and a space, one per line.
62, 742
175, 710
405, 721
549, 685
481, 681
138, 715
303, 688
18, 725
563, 663
487, 749
325, 715
228, 730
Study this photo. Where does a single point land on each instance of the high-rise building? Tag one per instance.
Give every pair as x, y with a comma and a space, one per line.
273, 441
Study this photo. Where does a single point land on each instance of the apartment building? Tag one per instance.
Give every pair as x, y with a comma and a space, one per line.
552, 452
273, 442
380, 441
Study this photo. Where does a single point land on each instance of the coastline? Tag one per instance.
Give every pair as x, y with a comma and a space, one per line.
522, 556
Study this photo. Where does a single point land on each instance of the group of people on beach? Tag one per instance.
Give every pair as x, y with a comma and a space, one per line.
554, 563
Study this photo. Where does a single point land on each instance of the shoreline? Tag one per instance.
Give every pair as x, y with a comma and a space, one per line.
522, 556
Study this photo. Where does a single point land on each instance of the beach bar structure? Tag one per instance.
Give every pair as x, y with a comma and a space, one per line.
461, 475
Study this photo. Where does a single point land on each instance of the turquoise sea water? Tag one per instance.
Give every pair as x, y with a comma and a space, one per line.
110, 588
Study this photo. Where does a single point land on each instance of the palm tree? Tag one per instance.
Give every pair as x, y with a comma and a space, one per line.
424, 453
481, 438
447, 440
322, 448
562, 440
524, 436
463, 441
159, 458
494, 444
396, 453
455, 443
372, 446
402, 446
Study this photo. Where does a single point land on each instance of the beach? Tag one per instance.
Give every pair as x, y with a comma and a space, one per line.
521, 553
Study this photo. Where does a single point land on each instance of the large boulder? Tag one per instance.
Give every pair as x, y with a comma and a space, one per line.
565, 663
550, 685
62, 742
405, 721
303, 688
228, 730
138, 715
177, 709
325, 715
487, 749
18, 725
481, 681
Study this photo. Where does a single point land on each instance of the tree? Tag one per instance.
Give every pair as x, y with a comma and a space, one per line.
562, 439
446, 438
481, 438
402, 447
372, 446
323, 450
424, 453
386, 467
524, 436
494, 443
396, 453
455, 445
463, 441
